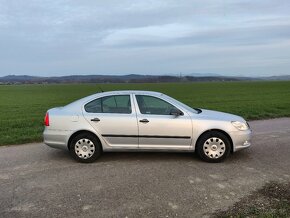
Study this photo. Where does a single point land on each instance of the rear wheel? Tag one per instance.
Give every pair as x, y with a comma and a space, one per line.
85, 148
213, 147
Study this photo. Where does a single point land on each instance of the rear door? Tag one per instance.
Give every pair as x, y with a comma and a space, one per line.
157, 128
115, 119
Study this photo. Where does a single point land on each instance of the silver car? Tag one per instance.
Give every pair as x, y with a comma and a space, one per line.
142, 121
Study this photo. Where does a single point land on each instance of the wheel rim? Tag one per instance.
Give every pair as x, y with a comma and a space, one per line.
214, 147
84, 148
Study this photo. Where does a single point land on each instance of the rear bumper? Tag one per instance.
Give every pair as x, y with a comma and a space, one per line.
241, 139
56, 138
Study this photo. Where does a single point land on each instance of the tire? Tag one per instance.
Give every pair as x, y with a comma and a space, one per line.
85, 148
213, 147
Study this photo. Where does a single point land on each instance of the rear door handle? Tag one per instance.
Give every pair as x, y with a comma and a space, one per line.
144, 121
95, 119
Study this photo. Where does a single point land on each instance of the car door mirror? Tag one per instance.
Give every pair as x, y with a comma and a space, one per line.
176, 112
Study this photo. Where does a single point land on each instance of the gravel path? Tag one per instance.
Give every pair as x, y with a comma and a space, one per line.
38, 181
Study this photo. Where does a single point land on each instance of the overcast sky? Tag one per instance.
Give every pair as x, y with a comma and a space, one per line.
62, 37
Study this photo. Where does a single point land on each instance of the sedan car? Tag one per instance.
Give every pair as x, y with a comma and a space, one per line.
142, 121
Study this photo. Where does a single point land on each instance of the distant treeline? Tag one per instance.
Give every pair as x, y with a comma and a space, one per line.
13, 79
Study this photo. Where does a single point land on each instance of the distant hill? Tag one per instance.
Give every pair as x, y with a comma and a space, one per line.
130, 78
282, 77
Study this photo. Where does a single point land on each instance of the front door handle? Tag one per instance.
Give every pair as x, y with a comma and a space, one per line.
95, 119
144, 121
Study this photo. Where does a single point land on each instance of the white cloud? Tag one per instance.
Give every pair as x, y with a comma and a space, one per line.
154, 34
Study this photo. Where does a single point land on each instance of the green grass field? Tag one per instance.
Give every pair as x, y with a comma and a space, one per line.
22, 107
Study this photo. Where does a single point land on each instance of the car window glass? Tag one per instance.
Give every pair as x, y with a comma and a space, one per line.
94, 106
153, 105
110, 104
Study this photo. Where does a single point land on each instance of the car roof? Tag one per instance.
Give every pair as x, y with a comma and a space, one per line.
140, 92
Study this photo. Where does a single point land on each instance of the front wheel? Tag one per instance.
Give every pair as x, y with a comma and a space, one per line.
213, 147
85, 148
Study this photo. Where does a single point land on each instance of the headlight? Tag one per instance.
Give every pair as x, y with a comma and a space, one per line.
240, 125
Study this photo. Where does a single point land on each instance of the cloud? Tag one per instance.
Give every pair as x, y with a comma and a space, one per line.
156, 36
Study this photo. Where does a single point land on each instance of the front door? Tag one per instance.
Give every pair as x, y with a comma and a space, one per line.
114, 119
157, 128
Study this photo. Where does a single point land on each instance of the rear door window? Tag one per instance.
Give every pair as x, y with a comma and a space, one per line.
120, 104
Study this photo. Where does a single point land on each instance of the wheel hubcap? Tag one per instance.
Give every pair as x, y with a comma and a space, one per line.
84, 148
214, 147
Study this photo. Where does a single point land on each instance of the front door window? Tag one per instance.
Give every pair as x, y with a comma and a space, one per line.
152, 105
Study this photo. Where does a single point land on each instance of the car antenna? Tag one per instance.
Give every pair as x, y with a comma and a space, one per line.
101, 89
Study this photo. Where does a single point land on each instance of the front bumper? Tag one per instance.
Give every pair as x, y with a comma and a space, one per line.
241, 139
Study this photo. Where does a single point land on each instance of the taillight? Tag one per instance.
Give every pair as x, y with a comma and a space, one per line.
46, 119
